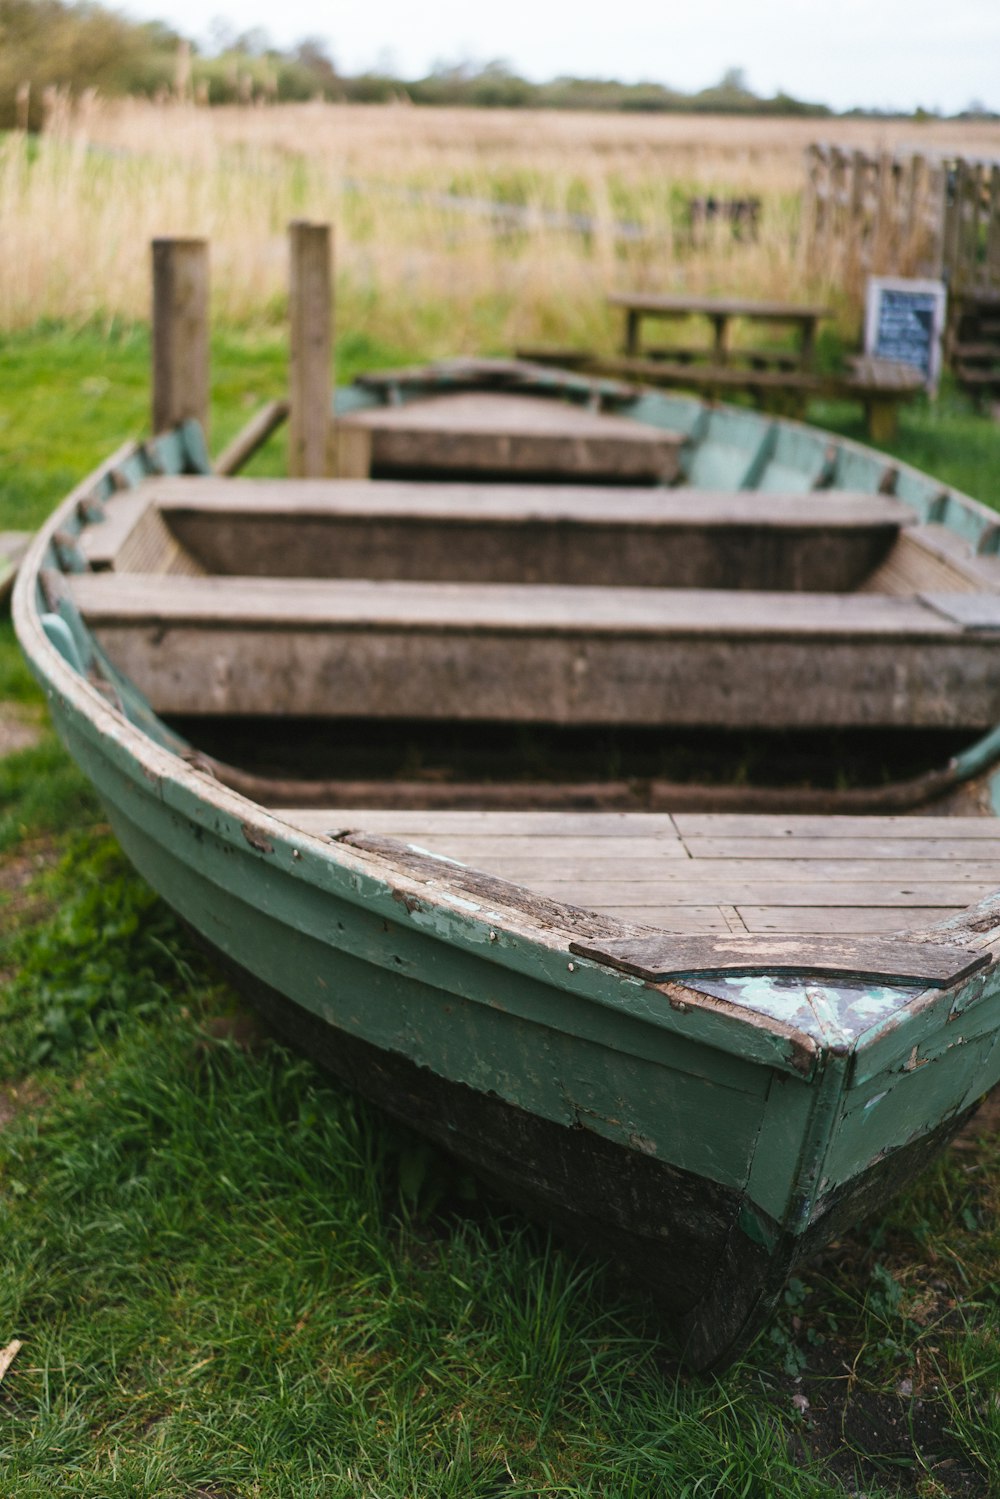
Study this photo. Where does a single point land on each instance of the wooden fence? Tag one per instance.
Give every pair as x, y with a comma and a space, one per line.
902, 215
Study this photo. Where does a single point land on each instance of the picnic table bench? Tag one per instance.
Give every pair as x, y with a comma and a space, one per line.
783, 376
722, 313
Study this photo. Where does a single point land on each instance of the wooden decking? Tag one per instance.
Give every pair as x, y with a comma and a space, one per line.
713, 872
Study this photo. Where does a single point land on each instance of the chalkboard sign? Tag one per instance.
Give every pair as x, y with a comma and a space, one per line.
904, 321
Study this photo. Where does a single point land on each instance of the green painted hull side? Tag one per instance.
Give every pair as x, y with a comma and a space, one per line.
402, 978
453, 1011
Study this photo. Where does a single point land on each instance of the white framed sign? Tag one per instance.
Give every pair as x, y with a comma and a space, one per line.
904, 321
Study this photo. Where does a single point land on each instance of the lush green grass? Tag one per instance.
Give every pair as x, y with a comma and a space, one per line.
70, 398
231, 1278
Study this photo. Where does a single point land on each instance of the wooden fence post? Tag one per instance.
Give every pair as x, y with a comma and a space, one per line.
180, 332
993, 231
310, 380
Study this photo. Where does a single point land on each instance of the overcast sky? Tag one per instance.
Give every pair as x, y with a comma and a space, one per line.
877, 53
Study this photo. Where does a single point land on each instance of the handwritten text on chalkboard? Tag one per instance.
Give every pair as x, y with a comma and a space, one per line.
904, 322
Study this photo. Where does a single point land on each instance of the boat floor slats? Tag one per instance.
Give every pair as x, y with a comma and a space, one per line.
889, 849
929, 558
673, 872
737, 825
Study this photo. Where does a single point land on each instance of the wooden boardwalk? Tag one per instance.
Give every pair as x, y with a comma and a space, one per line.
713, 872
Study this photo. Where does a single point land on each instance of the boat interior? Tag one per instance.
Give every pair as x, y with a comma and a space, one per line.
518, 625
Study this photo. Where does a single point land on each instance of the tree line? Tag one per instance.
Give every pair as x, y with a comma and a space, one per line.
73, 47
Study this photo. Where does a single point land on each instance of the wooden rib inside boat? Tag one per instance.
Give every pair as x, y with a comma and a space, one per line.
702, 1025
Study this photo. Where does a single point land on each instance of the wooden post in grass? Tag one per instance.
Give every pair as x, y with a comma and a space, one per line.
180, 332
310, 381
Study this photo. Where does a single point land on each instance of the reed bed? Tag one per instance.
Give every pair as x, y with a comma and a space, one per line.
458, 230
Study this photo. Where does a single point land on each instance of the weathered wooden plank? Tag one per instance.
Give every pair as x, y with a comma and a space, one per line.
513, 533
666, 866
508, 433
780, 825
579, 611
541, 825
670, 919
310, 376
849, 920
180, 333
905, 962
540, 654
553, 852
668, 305
660, 858
253, 436
708, 918
305, 499
500, 677
597, 886
905, 849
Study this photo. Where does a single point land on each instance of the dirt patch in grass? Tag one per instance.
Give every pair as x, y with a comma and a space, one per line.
19, 1099
984, 1124
18, 730
20, 903
899, 1441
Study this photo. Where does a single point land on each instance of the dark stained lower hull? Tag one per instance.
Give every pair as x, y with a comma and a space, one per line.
674, 1234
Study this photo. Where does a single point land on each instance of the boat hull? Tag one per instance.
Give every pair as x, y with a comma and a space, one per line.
664, 1189
707, 1138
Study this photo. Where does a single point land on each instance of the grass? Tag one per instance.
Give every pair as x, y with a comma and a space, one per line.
233, 1279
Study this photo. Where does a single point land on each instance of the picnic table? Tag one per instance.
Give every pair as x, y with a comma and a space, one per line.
721, 313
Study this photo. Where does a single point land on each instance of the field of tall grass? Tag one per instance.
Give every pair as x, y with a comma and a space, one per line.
457, 230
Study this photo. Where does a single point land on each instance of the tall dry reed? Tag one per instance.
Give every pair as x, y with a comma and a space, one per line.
456, 229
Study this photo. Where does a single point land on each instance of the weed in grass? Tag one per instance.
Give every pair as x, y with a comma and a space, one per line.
41, 790
109, 944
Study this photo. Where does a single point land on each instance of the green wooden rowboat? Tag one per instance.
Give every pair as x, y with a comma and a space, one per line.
700, 1038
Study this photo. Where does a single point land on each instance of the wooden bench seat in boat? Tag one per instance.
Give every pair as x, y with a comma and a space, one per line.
709, 872
505, 434
547, 654
827, 542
